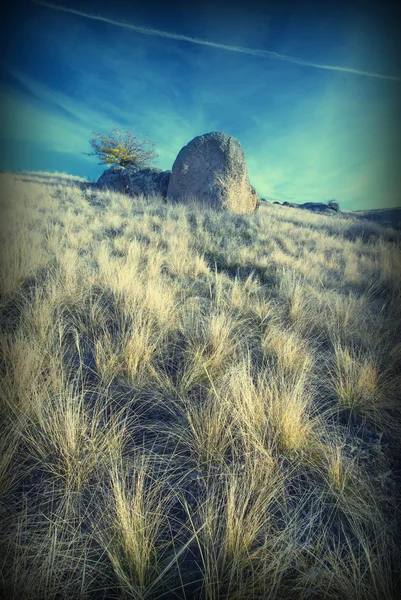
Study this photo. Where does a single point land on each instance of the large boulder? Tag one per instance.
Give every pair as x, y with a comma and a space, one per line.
212, 169
148, 181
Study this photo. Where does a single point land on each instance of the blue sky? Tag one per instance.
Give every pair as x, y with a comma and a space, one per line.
309, 133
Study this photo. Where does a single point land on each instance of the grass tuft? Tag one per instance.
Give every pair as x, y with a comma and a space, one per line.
194, 403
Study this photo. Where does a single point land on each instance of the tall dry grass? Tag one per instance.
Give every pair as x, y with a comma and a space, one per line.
195, 404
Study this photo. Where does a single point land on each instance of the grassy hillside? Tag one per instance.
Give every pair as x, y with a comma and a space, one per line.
195, 404
383, 216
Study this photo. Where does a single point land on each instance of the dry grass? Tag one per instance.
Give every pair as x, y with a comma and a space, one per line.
195, 404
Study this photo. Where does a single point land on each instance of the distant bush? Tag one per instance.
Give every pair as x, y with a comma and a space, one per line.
122, 147
334, 205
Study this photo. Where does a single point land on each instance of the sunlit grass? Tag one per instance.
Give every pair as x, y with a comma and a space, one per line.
194, 403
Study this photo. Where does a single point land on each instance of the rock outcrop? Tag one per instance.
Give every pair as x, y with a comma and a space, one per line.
316, 207
212, 169
321, 208
148, 181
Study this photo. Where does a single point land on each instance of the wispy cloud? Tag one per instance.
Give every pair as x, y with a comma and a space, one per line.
184, 38
332, 149
28, 120
45, 115
58, 103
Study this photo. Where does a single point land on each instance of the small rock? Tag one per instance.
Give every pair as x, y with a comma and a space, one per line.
134, 182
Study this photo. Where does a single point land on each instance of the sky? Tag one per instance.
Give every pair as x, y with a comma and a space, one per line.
312, 91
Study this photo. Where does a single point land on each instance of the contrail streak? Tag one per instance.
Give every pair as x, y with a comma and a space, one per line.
184, 38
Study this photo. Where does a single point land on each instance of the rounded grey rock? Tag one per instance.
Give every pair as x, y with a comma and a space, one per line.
212, 169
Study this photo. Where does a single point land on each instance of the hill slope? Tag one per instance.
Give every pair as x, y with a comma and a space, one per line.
195, 401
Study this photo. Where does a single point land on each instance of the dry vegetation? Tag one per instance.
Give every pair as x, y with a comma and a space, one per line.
195, 404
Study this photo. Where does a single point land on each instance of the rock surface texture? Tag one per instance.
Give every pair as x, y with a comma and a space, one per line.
130, 180
212, 169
